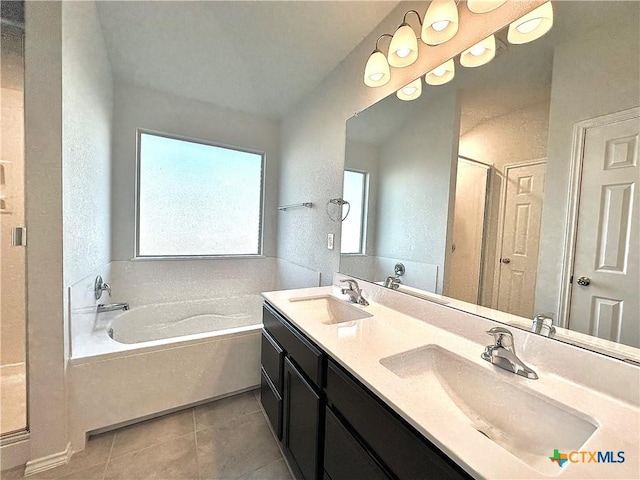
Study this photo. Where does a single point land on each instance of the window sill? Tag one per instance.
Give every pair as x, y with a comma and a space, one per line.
197, 257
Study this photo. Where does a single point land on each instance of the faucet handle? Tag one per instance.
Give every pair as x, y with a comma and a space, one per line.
353, 285
503, 337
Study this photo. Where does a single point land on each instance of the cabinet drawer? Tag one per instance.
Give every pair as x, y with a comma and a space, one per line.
306, 355
403, 450
344, 457
272, 404
272, 357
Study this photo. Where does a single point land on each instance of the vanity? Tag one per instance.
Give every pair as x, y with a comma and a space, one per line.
398, 389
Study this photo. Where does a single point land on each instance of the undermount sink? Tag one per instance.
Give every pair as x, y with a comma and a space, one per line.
331, 310
523, 422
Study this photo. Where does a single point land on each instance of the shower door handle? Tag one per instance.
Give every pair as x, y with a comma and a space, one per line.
19, 237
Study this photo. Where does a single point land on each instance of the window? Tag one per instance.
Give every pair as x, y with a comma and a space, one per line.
196, 199
355, 189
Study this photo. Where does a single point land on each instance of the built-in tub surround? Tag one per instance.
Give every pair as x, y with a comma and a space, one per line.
584, 401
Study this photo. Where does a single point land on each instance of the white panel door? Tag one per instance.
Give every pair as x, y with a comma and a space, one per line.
468, 229
606, 285
520, 239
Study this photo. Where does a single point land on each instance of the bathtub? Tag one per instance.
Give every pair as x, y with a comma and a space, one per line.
152, 359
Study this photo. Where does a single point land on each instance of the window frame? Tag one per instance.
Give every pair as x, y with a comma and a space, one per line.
263, 164
365, 212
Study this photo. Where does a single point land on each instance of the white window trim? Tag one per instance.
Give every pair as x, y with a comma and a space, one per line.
263, 165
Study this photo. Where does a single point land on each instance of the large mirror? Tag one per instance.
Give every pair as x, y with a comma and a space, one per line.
512, 190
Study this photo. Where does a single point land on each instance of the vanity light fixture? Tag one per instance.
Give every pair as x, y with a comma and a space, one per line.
410, 91
480, 53
532, 25
403, 50
377, 73
440, 22
442, 74
484, 6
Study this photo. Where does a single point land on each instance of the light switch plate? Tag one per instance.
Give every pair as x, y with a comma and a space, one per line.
330, 241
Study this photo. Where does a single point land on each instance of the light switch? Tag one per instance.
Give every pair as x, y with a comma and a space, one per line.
330, 241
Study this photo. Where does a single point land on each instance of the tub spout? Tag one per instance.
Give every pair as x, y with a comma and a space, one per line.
112, 307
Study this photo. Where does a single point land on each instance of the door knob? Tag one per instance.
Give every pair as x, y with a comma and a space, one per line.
584, 281
505, 260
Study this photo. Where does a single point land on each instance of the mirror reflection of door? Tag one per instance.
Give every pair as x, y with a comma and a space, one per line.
604, 292
518, 255
468, 231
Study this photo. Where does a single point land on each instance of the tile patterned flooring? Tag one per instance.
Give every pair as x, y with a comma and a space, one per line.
225, 439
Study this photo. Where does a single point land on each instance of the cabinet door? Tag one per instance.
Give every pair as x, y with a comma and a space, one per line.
344, 457
302, 424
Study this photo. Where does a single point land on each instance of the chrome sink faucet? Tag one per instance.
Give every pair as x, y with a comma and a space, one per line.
354, 292
392, 282
503, 354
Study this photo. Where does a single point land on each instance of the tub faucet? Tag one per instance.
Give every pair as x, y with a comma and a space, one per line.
112, 307
503, 354
99, 286
392, 282
354, 292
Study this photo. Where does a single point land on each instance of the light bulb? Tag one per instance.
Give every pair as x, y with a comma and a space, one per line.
440, 71
376, 72
529, 26
440, 26
403, 52
440, 22
480, 53
411, 91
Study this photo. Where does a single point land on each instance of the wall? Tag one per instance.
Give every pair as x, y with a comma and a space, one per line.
137, 107
87, 96
12, 259
415, 187
43, 157
592, 76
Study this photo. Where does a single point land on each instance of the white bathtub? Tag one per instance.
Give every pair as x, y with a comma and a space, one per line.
151, 359
172, 320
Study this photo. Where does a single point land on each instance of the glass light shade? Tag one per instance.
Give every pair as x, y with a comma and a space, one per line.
480, 53
442, 74
484, 6
403, 50
532, 25
411, 91
376, 73
440, 22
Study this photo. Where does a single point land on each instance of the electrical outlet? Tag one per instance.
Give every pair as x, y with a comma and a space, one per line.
330, 241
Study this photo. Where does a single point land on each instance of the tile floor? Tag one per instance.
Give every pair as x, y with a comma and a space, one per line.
225, 439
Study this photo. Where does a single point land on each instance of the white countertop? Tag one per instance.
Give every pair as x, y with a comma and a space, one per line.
360, 344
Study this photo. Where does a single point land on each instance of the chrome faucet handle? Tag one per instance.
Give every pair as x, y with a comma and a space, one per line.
503, 338
353, 285
99, 286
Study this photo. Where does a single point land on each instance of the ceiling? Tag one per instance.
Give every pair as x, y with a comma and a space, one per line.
260, 57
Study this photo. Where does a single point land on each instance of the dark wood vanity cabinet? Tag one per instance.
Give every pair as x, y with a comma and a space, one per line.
332, 426
299, 421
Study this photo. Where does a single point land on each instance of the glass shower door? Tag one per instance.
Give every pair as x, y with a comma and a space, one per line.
13, 408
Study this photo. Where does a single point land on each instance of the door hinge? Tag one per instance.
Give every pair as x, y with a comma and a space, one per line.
571, 279
19, 237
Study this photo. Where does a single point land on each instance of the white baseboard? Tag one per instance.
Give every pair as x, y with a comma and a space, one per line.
50, 461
